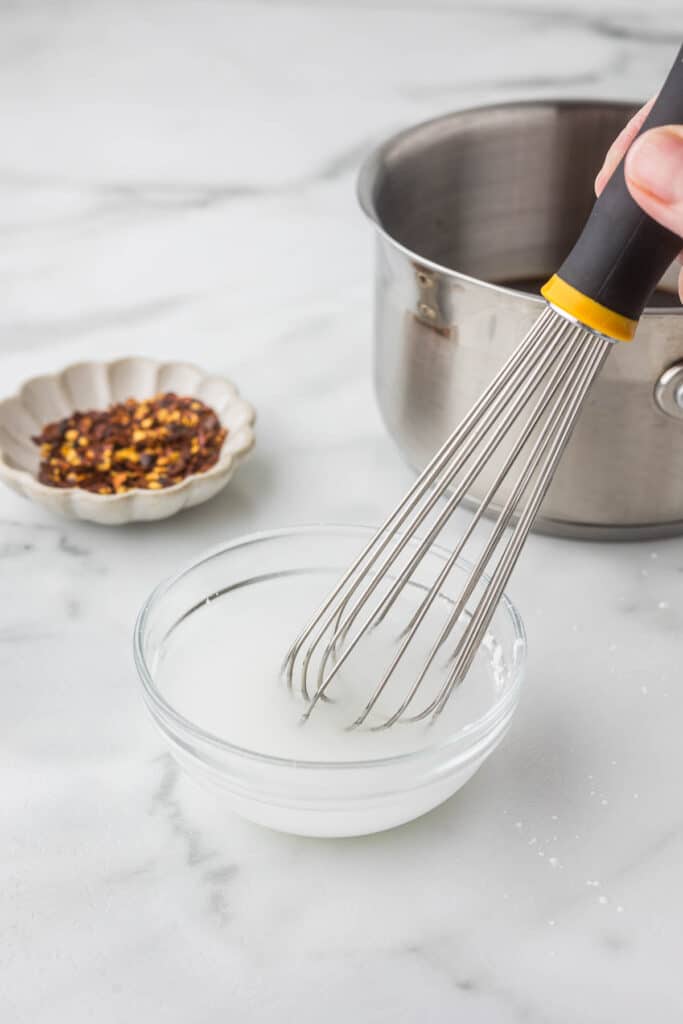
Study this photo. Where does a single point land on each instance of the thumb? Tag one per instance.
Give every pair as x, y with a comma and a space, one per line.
654, 174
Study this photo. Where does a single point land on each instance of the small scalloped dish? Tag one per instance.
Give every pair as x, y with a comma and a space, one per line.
95, 385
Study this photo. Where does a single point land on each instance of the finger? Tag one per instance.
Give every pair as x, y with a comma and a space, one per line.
654, 175
620, 145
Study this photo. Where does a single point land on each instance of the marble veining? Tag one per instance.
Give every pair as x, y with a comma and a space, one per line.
177, 180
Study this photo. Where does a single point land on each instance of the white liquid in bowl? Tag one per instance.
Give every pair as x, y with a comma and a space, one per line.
221, 669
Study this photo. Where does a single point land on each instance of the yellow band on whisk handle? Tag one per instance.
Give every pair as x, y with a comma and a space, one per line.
587, 311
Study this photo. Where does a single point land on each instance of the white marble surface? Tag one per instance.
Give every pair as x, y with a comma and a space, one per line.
177, 179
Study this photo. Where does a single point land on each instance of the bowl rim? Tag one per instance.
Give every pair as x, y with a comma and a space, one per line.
371, 167
222, 465
478, 731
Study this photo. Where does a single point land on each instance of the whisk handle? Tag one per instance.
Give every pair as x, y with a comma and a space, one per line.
622, 253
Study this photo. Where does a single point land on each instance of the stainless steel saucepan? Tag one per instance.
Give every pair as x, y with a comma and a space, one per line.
473, 210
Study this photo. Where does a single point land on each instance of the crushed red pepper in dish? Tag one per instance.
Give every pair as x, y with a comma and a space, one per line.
148, 444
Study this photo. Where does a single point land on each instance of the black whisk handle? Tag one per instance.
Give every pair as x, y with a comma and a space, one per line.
622, 253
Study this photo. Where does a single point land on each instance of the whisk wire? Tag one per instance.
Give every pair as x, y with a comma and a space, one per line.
394, 522
561, 432
500, 525
540, 359
551, 371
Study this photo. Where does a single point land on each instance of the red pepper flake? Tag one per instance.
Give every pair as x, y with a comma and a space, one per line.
148, 445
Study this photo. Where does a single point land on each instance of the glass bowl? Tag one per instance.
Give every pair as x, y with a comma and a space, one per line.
236, 599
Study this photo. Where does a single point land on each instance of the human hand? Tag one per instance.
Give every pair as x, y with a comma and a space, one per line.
653, 170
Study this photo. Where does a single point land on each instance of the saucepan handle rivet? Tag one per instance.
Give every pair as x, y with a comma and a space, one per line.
669, 391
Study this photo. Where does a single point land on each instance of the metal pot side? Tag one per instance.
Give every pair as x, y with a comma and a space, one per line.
468, 208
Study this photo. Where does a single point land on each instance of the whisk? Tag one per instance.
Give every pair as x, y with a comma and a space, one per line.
524, 420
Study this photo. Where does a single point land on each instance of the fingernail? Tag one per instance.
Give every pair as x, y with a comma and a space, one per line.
600, 180
654, 163
612, 158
